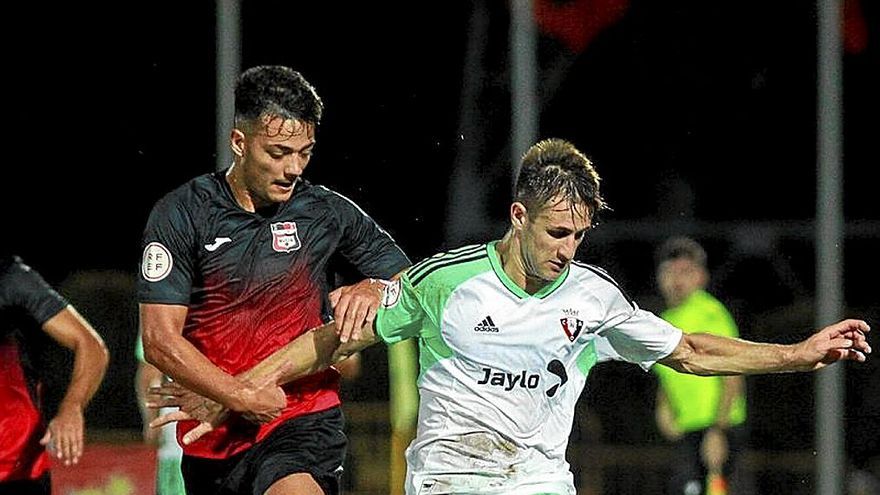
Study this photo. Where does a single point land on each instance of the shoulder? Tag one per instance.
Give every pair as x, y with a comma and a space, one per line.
709, 299
11, 268
597, 281
20, 285
712, 306
193, 191
9, 263
592, 274
185, 201
333, 199
451, 267
14, 266
706, 303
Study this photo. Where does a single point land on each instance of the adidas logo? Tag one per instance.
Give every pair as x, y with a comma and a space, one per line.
487, 325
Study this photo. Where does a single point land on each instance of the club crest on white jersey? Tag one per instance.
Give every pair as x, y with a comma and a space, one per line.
390, 293
571, 324
284, 237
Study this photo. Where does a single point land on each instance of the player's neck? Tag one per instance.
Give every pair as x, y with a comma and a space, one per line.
239, 191
510, 255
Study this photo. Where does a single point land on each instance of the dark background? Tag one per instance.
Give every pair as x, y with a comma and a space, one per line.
698, 110
110, 107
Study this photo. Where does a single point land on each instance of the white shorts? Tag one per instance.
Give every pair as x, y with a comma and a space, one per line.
478, 484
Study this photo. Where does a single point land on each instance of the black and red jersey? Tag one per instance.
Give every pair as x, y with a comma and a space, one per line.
26, 303
255, 281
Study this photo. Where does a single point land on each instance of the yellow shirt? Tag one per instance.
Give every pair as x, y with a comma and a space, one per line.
694, 399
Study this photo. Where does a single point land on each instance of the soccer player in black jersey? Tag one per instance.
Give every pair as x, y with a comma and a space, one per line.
31, 313
234, 267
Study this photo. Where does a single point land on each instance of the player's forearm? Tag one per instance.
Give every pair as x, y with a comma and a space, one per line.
179, 359
166, 349
71, 330
311, 352
147, 376
89, 365
705, 354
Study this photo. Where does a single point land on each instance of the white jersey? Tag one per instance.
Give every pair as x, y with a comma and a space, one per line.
502, 370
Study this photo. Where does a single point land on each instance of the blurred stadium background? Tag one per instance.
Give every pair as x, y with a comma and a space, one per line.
701, 117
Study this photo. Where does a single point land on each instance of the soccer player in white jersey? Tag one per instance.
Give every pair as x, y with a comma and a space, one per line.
508, 332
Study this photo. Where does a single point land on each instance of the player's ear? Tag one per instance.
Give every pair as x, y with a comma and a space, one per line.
703, 276
518, 215
236, 142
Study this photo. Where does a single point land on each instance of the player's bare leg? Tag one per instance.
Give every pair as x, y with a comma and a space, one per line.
299, 483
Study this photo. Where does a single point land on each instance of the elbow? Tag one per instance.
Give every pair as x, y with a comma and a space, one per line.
93, 351
155, 350
152, 356
687, 360
694, 368
102, 355
691, 357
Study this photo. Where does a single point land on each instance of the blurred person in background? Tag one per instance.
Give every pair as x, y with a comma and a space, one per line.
349, 371
508, 332
169, 481
32, 315
403, 406
702, 416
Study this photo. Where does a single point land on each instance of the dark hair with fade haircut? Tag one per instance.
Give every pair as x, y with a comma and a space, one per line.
277, 91
681, 247
556, 168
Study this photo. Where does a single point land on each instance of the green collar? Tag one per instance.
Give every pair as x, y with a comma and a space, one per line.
518, 291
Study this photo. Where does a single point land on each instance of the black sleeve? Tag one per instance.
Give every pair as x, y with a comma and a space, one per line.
364, 244
22, 287
166, 271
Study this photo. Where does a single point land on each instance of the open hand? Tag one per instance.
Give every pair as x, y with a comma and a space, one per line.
192, 406
64, 434
844, 340
264, 403
355, 306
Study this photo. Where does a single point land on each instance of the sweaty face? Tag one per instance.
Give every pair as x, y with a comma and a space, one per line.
678, 278
551, 237
274, 155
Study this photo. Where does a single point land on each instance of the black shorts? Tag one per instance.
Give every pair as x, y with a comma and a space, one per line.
313, 444
39, 486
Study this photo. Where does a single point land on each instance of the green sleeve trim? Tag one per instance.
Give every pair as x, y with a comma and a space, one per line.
436, 279
587, 358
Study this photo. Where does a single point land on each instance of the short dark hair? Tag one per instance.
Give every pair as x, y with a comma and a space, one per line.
555, 167
681, 247
277, 91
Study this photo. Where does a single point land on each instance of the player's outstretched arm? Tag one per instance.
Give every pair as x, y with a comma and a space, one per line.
309, 353
314, 351
167, 349
704, 354
65, 432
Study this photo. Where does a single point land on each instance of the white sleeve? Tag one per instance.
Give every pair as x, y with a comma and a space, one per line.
640, 337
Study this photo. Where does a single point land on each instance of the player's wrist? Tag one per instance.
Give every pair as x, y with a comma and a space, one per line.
242, 397
380, 284
71, 406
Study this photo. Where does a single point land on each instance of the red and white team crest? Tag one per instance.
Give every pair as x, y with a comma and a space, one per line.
572, 326
284, 237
